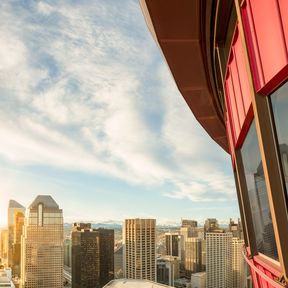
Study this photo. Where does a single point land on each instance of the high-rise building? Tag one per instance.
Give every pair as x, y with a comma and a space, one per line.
15, 222
167, 270
92, 256
118, 262
193, 256
172, 244
235, 229
139, 244
188, 229
67, 251
211, 224
4, 245
219, 260
42, 254
238, 269
188, 223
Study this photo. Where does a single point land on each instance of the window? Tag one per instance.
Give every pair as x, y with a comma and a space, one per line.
257, 193
40, 214
279, 100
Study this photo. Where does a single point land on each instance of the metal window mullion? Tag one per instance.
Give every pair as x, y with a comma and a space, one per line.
270, 160
241, 209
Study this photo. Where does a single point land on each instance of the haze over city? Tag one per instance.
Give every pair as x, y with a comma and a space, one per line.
90, 114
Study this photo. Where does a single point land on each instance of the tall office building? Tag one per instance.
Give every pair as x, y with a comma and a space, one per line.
188, 229
193, 255
42, 255
218, 260
172, 244
235, 229
211, 224
15, 222
167, 270
118, 262
188, 223
67, 251
92, 256
238, 269
4, 245
139, 244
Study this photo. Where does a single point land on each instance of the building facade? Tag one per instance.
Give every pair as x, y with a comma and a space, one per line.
4, 245
16, 214
139, 249
167, 270
193, 255
172, 244
118, 262
92, 256
219, 260
238, 264
42, 254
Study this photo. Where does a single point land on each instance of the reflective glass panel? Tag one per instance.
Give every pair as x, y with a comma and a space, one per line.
257, 192
279, 101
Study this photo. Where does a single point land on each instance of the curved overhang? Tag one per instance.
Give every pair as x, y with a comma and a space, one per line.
182, 29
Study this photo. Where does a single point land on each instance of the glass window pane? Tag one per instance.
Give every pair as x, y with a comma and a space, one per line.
279, 101
257, 192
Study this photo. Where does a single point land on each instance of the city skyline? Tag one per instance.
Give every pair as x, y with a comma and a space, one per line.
85, 122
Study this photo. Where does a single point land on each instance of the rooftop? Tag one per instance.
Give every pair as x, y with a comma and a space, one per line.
14, 204
131, 283
46, 200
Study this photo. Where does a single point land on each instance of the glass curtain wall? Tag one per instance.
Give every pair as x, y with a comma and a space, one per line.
279, 100
257, 192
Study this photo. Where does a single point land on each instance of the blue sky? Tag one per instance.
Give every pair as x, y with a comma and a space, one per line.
90, 114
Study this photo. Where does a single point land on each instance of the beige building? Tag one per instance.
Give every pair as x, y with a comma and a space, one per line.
4, 245
42, 255
16, 214
238, 268
219, 260
139, 249
193, 255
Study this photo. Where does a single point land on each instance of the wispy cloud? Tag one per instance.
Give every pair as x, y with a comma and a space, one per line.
83, 89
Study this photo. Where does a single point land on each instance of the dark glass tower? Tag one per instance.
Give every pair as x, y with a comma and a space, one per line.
92, 256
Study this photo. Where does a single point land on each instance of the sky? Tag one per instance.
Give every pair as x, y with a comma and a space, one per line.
90, 114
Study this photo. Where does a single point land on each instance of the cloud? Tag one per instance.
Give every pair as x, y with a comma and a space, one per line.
84, 89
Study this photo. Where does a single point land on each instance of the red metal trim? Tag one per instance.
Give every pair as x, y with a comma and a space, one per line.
262, 276
245, 127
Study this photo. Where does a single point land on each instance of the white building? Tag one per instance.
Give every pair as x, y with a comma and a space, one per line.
42, 254
198, 280
139, 249
219, 260
5, 278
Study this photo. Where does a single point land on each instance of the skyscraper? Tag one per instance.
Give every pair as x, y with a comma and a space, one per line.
193, 255
218, 260
15, 218
238, 269
92, 256
42, 254
167, 270
4, 245
188, 229
172, 241
139, 245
